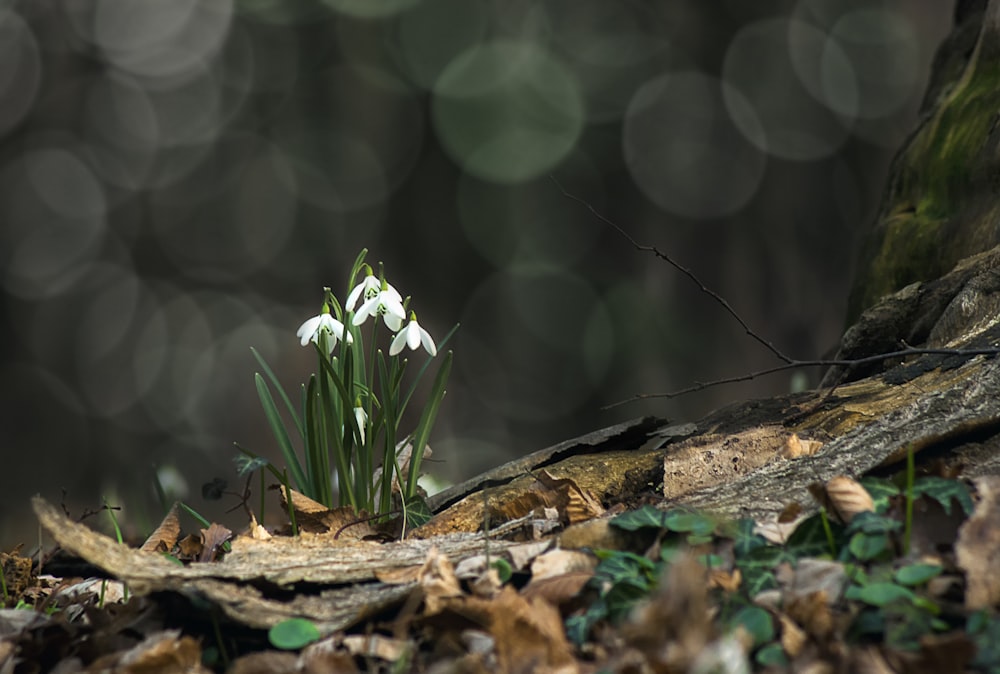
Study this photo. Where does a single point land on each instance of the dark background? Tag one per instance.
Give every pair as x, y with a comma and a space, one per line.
180, 178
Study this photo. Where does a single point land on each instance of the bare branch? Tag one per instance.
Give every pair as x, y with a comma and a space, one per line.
788, 363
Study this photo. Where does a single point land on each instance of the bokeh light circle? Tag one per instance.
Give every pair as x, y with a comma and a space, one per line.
162, 38
789, 121
683, 150
366, 9
884, 49
20, 69
507, 111
53, 208
427, 38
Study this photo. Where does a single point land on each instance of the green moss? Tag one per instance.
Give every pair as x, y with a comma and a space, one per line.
934, 212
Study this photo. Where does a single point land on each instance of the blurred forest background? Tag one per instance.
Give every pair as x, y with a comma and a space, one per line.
180, 178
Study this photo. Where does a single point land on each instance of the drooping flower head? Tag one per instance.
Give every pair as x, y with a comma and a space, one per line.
412, 336
386, 302
311, 329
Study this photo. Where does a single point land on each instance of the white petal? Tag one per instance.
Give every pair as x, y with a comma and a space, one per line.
392, 321
428, 342
393, 305
397, 343
413, 335
368, 307
308, 329
352, 299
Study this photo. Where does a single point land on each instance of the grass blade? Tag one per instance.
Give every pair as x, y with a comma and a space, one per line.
423, 431
280, 433
281, 390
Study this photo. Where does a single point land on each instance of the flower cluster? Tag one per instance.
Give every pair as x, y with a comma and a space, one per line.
378, 298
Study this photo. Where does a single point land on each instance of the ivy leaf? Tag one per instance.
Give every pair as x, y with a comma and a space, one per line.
293, 634
944, 491
882, 594
917, 574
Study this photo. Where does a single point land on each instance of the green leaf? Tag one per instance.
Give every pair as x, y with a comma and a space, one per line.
809, 538
773, 656
423, 431
417, 512
745, 540
689, 522
868, 546
280, 433
944, 492
281, 389
757, 622
881, 490
646, 517
293, 634
882, 594
873, 523
504, 569
917, 574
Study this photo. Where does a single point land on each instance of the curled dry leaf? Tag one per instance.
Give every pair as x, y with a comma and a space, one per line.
212, 540
793, 637
165, 536
377, 646
438, 581
844, 497
558, 562
978, 547
796, 447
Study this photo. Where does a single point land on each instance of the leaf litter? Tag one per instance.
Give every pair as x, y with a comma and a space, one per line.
858, 586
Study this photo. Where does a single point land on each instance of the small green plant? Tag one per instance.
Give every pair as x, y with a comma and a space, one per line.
348, 423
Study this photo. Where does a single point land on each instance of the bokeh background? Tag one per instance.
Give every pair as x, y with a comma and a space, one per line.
180, 178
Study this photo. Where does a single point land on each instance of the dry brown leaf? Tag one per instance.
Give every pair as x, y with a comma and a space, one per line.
438, 581
264, 662
843, 497
795, 447
793, 637
257, 531
326, 657
672, 628
978, 547
190, 547
558, 562
791, 512
724, 580
486, 584
777, 532
529, 635
165, 536
163, 652
526, 553
347, 524
377, 646
558, 590
212, 540
812, 613
811, 575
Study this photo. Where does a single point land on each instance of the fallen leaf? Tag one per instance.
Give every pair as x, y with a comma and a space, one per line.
164, 537
438, 581
795, 447
377, 646
559, 562
843, 497
212, 540
978, 547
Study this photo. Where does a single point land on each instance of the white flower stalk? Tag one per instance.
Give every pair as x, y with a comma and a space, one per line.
311, 329
412, 336
387, 302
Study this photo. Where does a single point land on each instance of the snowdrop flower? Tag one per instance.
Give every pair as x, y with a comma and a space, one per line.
387, 303
412, 336
368, 289
362, 419
310, 330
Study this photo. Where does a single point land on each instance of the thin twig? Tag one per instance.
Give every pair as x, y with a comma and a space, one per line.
788, 363
721, 301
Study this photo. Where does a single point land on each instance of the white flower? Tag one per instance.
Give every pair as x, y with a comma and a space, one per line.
362, 419
412, 336
386, 302
368, 289
310, 330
